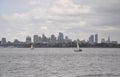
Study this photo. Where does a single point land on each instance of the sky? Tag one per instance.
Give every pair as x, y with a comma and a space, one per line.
74, 18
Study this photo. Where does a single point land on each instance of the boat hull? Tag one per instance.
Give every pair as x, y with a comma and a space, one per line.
80, 50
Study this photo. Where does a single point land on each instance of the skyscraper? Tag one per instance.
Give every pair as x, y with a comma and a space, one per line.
44, 39
40, 39
3, 41
67, 39
91, 39
96, 38
108, 41
60, 37
103, 40
36, 39
28, 40
52, 39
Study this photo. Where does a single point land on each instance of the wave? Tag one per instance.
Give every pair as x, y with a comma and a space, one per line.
100, 75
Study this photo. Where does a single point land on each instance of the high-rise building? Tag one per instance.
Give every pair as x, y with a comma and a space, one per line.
103, 40
44, 39
67, 39
3, 41
108, 41
96, 38
36, 39
114, 42
40, 39
91, 39
28, 40
53, 39
60, 37
16, 41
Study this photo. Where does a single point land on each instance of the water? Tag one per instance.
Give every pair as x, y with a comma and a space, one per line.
59, 62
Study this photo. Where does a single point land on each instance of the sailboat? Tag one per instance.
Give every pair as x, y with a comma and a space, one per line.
32, 46
78, 48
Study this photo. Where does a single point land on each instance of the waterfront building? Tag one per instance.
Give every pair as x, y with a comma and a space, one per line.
108, 41
103, 40
60, 37
16, 41
3, 40
44, 39
52, 39
114, 42
83, 41
40, 39
35, 39
28, 40
67, 39
91, 39
96, 38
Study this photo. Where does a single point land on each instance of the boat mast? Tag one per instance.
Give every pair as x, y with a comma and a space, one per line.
77, 45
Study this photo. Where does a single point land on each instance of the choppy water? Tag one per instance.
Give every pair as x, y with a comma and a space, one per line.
59, 62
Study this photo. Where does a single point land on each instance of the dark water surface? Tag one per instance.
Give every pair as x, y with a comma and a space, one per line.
59, 62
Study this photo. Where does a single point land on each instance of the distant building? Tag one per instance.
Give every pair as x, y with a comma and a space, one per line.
91, 39
44, 39
83, 41
35, 39
108, 41
52, 39
3, 40
96, 38
48, 40
114, 42
60, 37
16, 41
103, 40
67, 39
28, 40
40, 39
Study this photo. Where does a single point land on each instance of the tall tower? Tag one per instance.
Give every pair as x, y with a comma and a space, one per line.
28, 40
60, 37
3, 41
52, 39
40, 39
103, 40
91, 39
36, 39
96, 38
44, 39
108, 39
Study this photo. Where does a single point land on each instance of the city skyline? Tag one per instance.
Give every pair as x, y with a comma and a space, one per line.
60, 38
74, 18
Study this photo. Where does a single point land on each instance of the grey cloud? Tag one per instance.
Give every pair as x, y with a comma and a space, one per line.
102, 14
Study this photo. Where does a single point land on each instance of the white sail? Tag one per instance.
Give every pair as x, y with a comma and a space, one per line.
32, 46
78, 46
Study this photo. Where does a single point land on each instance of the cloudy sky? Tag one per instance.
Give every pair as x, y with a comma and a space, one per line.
75, 18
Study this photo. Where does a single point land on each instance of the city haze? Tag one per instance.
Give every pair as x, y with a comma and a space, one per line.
74, 18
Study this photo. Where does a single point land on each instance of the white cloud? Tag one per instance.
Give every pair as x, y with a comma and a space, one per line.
108, 28
69, 7
44, 28
59, 15
33, 3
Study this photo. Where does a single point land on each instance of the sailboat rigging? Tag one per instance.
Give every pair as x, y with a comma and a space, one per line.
78, 48
32, 46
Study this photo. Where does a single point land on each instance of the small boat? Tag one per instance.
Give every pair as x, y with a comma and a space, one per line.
32, 46
78, 48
